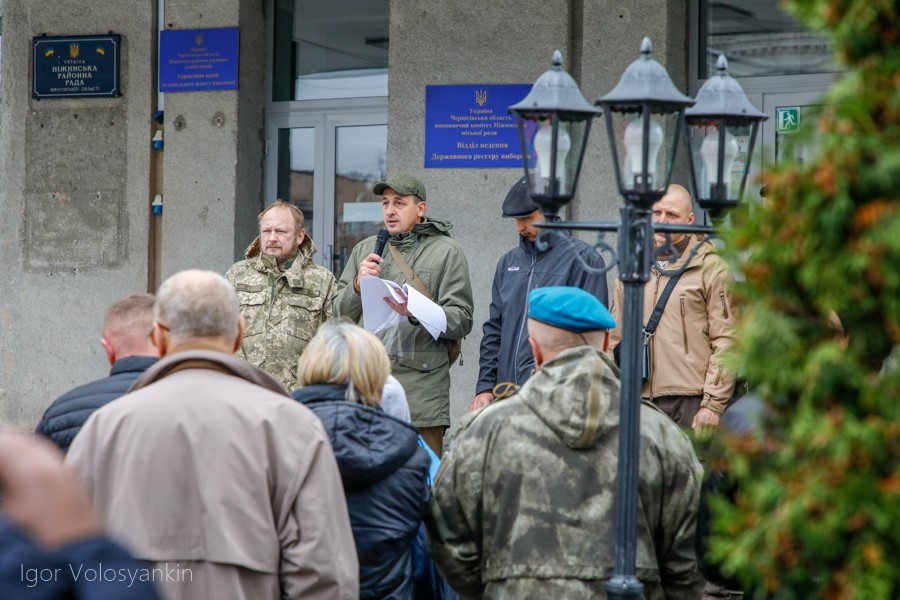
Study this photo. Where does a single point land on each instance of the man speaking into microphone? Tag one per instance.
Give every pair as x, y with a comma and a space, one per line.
420, 252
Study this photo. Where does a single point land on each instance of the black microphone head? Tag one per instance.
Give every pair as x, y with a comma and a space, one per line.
380, 241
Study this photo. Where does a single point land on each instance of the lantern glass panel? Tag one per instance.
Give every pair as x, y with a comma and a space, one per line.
713, 152
641, 172
554, 148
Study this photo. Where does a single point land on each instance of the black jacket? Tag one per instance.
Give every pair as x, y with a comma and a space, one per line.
385, 476
505, 353
29, 570
63, 419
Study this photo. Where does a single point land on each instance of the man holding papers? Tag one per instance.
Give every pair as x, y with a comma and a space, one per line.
422, 258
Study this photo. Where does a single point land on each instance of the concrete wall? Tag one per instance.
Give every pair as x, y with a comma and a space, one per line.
75, 185
73, 203
213, 165
437, 42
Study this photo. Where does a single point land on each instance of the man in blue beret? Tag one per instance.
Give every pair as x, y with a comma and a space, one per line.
524, 503
505, 353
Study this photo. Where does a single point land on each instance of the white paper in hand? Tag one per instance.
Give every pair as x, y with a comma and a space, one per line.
378, 315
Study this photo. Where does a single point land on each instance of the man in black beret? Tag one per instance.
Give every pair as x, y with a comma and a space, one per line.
505, 353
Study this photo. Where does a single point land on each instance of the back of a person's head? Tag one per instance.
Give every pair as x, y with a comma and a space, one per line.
345, 354
127, 324
197, 305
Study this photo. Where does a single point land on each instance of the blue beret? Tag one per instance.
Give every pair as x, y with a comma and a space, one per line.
569, 308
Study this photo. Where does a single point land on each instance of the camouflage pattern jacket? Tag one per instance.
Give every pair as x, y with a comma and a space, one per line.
524, 503
418, 361
282, 309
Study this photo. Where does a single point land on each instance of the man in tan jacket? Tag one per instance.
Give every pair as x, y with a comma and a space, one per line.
208, 470
687, 378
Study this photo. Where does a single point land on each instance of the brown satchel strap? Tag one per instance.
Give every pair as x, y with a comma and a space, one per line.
408, 272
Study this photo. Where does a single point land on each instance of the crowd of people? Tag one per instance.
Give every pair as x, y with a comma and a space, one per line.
253, 440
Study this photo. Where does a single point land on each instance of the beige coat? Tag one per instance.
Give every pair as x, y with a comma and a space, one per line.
696, 328
201, 469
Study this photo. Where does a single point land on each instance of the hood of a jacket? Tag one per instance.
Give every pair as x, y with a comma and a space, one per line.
577, 395
211, 360
424, 229
368, 443
307, 251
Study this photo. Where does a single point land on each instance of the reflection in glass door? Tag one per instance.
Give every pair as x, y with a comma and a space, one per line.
326, 165
791, 116
360, 162
296, 171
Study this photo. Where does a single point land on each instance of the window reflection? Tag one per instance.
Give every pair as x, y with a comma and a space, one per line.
759, 39
360, 163
296, 173
334, 49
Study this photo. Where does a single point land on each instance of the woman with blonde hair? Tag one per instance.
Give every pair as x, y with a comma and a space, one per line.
385, 473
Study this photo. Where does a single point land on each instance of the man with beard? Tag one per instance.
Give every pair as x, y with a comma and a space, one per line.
284, 295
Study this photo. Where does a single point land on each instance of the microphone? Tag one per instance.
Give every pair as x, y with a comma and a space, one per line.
380, 241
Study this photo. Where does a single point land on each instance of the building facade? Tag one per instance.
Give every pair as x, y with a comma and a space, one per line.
330, 98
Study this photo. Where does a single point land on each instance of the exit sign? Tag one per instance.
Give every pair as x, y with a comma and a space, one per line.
787, 119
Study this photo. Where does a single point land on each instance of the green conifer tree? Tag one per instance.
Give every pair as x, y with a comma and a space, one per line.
817, 514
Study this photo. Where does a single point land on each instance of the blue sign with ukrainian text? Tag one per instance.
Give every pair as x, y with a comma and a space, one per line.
469, 126
198, 60
75, 66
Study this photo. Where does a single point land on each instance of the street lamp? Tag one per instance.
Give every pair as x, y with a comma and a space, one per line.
645, 111
720, 121
563, 121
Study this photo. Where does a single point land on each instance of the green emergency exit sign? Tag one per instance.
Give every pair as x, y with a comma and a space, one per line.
787, 119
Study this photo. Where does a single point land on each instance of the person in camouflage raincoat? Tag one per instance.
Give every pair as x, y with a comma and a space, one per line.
524, 503
284, 295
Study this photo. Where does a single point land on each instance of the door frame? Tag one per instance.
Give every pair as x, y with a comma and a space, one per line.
324, 117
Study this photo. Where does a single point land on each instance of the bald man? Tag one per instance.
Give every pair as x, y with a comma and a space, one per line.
687, 379
126, 341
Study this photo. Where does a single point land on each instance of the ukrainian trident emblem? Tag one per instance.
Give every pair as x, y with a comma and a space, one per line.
480, 97
74, 50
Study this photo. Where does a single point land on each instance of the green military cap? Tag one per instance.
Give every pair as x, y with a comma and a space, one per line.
403, 184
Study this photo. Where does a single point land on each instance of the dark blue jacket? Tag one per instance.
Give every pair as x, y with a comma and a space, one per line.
31, 572
505, 353
63, 419
385, 475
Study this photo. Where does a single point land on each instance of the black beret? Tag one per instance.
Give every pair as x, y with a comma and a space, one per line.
518, 203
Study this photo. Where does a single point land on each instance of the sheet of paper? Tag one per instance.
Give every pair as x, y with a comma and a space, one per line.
378, 315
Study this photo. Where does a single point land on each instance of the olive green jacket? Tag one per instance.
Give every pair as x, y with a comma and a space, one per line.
282, 311
418, 361
524, 503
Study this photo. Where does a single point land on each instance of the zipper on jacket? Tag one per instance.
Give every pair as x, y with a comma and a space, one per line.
683, 325
724, 304
719, 375
515, 363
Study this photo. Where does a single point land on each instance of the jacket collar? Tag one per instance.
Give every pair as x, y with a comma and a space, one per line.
133, 364
207, 359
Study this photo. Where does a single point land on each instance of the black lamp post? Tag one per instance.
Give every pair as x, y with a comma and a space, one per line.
563, 118
644, 112
721, 116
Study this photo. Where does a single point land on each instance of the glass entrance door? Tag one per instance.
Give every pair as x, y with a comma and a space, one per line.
326, 164
790, 115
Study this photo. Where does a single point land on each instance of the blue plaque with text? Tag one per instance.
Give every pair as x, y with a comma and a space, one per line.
198, 60
469, 127
76, 66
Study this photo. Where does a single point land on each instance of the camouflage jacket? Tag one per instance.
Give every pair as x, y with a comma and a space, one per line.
281, 312
524, 503
419, 361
